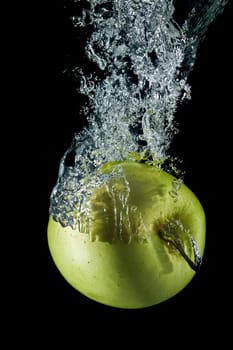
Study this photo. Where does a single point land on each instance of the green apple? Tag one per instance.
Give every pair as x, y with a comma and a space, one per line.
140, 243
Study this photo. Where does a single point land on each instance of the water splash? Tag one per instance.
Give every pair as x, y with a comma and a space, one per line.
145, 50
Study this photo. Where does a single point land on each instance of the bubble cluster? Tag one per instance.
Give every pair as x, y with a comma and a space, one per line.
145, 56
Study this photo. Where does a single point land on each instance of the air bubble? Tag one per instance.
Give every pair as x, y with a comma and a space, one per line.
145, 58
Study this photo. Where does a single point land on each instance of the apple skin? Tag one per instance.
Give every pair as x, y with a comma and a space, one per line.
145, 270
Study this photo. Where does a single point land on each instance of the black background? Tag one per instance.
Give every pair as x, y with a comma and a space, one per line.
204, 145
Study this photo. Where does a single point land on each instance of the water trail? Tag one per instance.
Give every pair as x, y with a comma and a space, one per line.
145, 50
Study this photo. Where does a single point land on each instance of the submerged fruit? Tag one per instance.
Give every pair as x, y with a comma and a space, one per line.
140, 242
